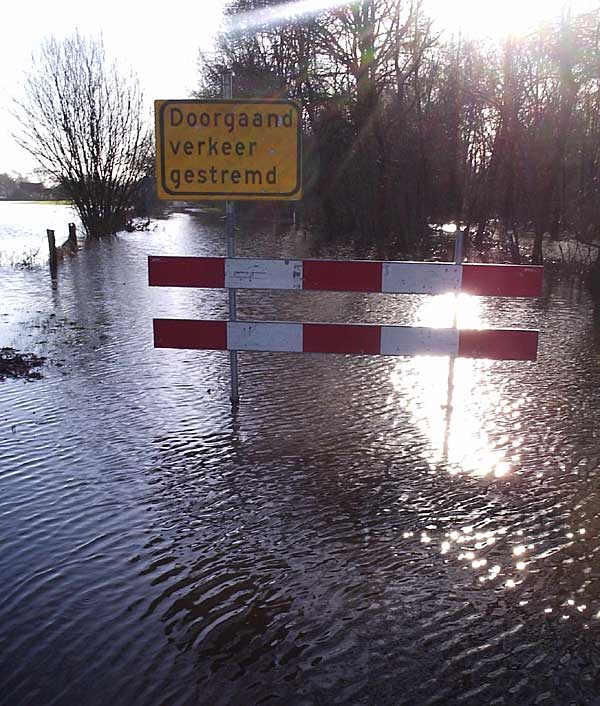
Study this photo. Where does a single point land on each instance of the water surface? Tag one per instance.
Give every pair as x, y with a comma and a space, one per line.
337, 541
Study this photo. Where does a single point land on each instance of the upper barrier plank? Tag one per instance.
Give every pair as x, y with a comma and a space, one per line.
347, 276
342, 276
186, 271
503, 280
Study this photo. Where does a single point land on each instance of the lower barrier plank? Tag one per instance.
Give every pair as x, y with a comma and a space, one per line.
419, 340
264, 336
190, 333
498, 344
341, 338
359, 339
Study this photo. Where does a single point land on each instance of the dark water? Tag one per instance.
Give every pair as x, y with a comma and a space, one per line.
329, 544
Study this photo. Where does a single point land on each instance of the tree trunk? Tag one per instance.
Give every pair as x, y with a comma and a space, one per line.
593, 279
537, 254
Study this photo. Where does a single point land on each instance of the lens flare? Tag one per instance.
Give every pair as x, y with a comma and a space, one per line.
283, 12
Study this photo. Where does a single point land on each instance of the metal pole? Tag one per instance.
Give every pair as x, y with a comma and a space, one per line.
230, 229
459, 244
458, 257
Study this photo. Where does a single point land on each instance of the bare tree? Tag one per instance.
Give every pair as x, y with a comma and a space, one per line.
83, 120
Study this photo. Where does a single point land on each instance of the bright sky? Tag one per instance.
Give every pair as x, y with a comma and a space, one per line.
161, 40
498, 18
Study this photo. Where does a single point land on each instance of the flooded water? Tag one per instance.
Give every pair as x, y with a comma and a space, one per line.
337, 541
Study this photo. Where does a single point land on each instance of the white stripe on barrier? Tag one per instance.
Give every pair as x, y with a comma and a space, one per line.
396, 340
420, 278
264, 336
251, 273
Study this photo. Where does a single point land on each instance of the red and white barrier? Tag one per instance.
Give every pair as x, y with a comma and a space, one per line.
346, 276
365, 339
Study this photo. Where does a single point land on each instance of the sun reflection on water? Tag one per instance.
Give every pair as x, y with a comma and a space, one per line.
467, 415
502, 559
457, 406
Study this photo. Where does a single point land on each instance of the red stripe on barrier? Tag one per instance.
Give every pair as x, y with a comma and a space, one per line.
341, 338
503, 280
498, 344
186, 333
347, 276
186, 271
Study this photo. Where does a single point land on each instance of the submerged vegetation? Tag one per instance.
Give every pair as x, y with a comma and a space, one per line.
19, 365
404, 127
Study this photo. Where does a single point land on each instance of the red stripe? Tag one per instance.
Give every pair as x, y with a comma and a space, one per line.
498, 344
186, 333
503, 280
186, 271
341, 338
350, 276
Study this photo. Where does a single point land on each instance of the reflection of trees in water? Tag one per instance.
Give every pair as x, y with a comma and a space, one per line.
596, 327
254, 545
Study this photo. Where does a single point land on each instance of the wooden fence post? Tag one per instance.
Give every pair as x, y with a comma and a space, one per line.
52, 248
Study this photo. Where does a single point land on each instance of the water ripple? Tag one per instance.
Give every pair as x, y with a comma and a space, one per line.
339, 540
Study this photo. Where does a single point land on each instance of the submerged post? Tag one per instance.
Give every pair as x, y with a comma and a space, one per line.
230, 229
72, 236
52, 249
459, 244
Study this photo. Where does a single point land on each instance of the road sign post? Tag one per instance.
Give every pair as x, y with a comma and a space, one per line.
230, 228
228, 150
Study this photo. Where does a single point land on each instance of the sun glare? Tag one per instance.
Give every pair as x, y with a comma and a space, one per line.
456, 407
282, 11
487, 18
471, 18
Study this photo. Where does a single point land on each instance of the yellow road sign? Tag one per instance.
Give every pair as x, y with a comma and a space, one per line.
228, 149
